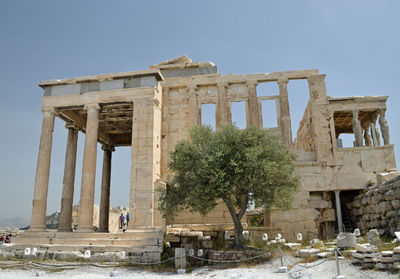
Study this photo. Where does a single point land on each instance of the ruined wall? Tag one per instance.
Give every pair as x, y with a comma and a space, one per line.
378, 207
305, 139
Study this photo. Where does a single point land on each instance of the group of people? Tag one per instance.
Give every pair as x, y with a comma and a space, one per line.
124, 221
5, 239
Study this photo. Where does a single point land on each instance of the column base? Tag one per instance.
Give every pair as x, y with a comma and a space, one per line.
64, 230
38, 229
84, 229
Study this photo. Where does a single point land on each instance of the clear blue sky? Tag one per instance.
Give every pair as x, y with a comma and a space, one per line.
356, 43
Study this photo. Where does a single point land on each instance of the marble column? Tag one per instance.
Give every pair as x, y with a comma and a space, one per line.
338, 211
384, 127
85, 223
252, 105
367, 136
286, 127
222, 109
357, 129
69, 180
105, 188
39, 204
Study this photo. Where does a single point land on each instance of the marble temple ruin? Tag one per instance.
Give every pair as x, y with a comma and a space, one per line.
151, 110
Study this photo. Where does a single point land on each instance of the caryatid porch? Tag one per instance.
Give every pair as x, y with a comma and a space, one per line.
115, 110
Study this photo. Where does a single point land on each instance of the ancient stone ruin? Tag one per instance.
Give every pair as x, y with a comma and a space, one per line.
151, 110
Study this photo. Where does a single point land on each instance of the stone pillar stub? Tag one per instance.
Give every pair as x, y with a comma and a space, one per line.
39, 204
222, 106
317, 87
85, 223
252, 104
69, 180
285, 121
105, 188
146, 155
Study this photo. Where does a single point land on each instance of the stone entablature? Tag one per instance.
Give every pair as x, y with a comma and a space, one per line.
152, 110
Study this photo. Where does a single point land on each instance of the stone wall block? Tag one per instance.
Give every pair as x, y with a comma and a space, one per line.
390, 195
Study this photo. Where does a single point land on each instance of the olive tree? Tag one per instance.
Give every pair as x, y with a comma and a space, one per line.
231, 165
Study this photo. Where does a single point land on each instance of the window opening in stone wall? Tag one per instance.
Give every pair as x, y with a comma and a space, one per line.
298, 95
267, 89
208, 115
239, 114
269, 117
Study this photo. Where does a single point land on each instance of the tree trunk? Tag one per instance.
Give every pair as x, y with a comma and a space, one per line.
236, 218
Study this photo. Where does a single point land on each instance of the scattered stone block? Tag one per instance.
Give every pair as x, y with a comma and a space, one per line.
303, 253
346, 240
373, 237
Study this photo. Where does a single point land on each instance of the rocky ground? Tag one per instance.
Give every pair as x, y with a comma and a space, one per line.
266, 271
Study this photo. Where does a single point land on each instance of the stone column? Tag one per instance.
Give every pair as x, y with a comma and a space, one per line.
374, 135
286, 127
357, 129
222, 109
85, 223
69, 180
193, 106
105, 188
338, 211
252, 105
367, 136
384, 127
39, 204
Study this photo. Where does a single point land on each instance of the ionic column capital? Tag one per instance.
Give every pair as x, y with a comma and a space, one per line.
108, 147
355, 113
72, 126
91, 107
252, 83
49, 110
282, 81
222, 85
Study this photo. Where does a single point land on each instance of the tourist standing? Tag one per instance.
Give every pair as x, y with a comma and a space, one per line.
127, 218
121, 220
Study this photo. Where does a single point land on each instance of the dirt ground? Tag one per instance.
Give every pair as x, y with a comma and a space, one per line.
268, 270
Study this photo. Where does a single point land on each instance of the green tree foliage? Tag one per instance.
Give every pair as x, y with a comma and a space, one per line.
231, 165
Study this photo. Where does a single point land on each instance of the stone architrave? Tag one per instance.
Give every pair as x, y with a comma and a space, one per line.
69, 180
105, 188
253, 115
39, 204
85, 223
384, 127
285, 112
357, 129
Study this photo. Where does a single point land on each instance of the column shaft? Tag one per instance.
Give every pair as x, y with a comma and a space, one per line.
286, 126
252, 105
222, 106
85, 223
357, 129
68, 181
384, 127
193, 107
338, 211
105, 189
39, 204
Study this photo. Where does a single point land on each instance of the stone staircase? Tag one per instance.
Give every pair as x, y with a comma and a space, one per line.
132, 242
